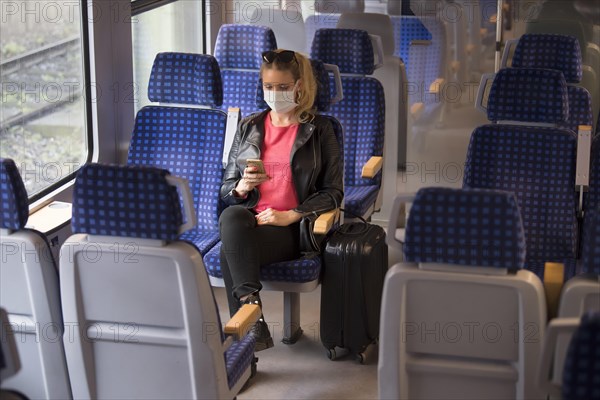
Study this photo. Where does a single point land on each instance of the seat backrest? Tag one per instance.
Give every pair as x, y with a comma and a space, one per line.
581, 372
562, 53
188, 141
427, 65
287, 25
362, 111
447, 309
239, 51
140, 300
29, 291
318, 21
406, 29
536, 163
392, 75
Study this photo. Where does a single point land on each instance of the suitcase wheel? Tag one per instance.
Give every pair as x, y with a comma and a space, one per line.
331, 354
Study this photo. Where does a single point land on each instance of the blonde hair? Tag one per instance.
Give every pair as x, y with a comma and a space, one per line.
307, 88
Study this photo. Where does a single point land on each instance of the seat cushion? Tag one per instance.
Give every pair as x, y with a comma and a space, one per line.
238, 358
358, 199
202, 239
301, 270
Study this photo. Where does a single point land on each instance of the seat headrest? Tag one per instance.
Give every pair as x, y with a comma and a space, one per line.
582, 364
323, 98
241, 46
350, 49
14, 208
528, 95
374, 23
126, 201
339, 6
560, 52
591, 243
467, 227
182, 78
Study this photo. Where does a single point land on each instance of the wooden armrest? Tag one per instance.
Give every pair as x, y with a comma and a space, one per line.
325, 221
243, 320
483, 31
372, 167
436, 85
554, 276
470, 48
493, 19
416, 109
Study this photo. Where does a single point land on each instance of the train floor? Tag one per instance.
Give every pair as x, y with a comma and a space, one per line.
303, 370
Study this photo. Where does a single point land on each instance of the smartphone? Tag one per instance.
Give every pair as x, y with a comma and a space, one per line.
255, 162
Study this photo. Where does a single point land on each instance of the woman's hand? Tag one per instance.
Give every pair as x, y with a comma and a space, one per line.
250, 180
277, 218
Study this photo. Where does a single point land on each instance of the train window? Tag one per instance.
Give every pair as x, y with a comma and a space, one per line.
161, 26
43, 112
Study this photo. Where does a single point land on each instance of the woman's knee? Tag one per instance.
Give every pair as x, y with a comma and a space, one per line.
236, 217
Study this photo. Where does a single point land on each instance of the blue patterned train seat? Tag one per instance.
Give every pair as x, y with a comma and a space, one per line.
239, 51
361, 112
536, 163
562, 53
184, 139
161, 288
30, 294
406, 29
305, 269
581, 373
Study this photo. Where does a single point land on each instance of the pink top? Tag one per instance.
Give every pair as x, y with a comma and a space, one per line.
278, 192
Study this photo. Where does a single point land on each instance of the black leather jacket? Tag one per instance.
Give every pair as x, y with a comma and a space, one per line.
316, 165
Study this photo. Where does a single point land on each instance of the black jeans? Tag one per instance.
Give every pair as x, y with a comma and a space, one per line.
246, 246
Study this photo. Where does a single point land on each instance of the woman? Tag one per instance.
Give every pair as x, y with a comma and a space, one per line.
303, 175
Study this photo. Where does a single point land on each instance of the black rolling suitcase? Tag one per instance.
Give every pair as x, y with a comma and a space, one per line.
355, 261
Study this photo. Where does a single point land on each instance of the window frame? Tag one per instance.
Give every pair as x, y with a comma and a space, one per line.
88, 124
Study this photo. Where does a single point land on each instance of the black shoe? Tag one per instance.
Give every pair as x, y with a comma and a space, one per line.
260, 330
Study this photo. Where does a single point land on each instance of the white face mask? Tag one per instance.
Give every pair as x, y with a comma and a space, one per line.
280, 101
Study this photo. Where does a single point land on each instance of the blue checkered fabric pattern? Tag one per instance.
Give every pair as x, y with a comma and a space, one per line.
239, 50
465, 227
181, 78
323, 97
302, 270
203, 239
581, 373
538, 165
14, 208
580, 108
319, 21
362, 114
127, 201
548, 51
428, 63
350, 49
591, 243
358, 199
406, 29
238, 358
240, 90
241, 46
189, 143
592, 200
528, 95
